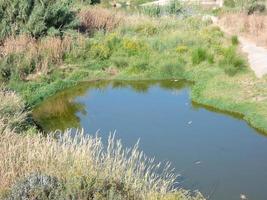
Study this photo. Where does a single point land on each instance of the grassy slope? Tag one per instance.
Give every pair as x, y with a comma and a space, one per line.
146, 48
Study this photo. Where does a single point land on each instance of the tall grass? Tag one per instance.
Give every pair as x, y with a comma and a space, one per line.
25, 56
76, 158
12, 111
99, 19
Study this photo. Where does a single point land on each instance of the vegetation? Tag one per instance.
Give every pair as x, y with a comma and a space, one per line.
253, 27
85, 167
37, 18
250, 6
12, 111
49, 45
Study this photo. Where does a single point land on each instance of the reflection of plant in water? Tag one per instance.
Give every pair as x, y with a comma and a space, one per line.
60, 111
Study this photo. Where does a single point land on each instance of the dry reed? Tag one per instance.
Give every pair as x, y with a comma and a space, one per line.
253, 27
44, 52
80, 155
94, 19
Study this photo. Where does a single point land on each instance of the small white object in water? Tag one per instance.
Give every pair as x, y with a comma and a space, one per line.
175, 80
190, 122
198, 162
243, 197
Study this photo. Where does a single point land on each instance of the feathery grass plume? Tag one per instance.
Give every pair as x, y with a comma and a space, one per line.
84, 163
12, 111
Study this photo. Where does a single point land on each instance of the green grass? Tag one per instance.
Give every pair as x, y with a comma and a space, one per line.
141, 48
162, 48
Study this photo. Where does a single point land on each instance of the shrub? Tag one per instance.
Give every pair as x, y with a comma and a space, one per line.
35, 17
147, 29
24, 56
120, 61
152, 11
95, 19
85, 166
199, 55
133, 47
100, 51
36, 186
229, 3
256, 7
234, 40
174, 7
232, 63
182, 49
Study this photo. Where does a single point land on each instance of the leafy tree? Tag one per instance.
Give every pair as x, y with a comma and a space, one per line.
35, 17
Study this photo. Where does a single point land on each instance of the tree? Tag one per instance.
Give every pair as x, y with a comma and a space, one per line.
35, 17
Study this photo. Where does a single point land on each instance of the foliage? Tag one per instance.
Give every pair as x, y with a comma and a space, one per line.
231, 62
234, 40
173, 8
36, 186
182, 49
12, 111
251, 6
85, 168
26, 58
199, 55
35, 17
98, 19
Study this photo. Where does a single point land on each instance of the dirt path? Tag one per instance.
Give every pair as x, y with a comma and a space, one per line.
257, 56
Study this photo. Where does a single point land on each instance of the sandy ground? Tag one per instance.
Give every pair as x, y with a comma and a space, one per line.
257, 56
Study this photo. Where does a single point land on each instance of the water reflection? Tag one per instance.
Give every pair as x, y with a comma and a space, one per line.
59, 112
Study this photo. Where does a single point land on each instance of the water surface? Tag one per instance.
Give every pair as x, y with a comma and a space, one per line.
218, 154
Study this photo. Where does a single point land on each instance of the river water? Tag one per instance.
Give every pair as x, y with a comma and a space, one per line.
218, 154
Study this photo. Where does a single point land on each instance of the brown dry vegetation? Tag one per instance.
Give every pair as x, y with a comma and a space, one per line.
12, 111
73, 158
44, 52
253, 27
97, 18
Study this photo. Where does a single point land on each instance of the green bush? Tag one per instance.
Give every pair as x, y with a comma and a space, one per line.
181, 49
234, 40
132, 46
256, 6
173, 8
199, 55
232, 63
35, 17
229, 3
100, 51
120, 61
251, 6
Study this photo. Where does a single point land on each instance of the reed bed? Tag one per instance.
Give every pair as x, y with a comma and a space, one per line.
97, 18
31, 56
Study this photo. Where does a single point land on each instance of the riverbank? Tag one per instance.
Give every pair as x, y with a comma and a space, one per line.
39, 62
114, 44
155, 48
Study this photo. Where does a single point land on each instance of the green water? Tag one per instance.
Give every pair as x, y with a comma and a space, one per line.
218, 154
